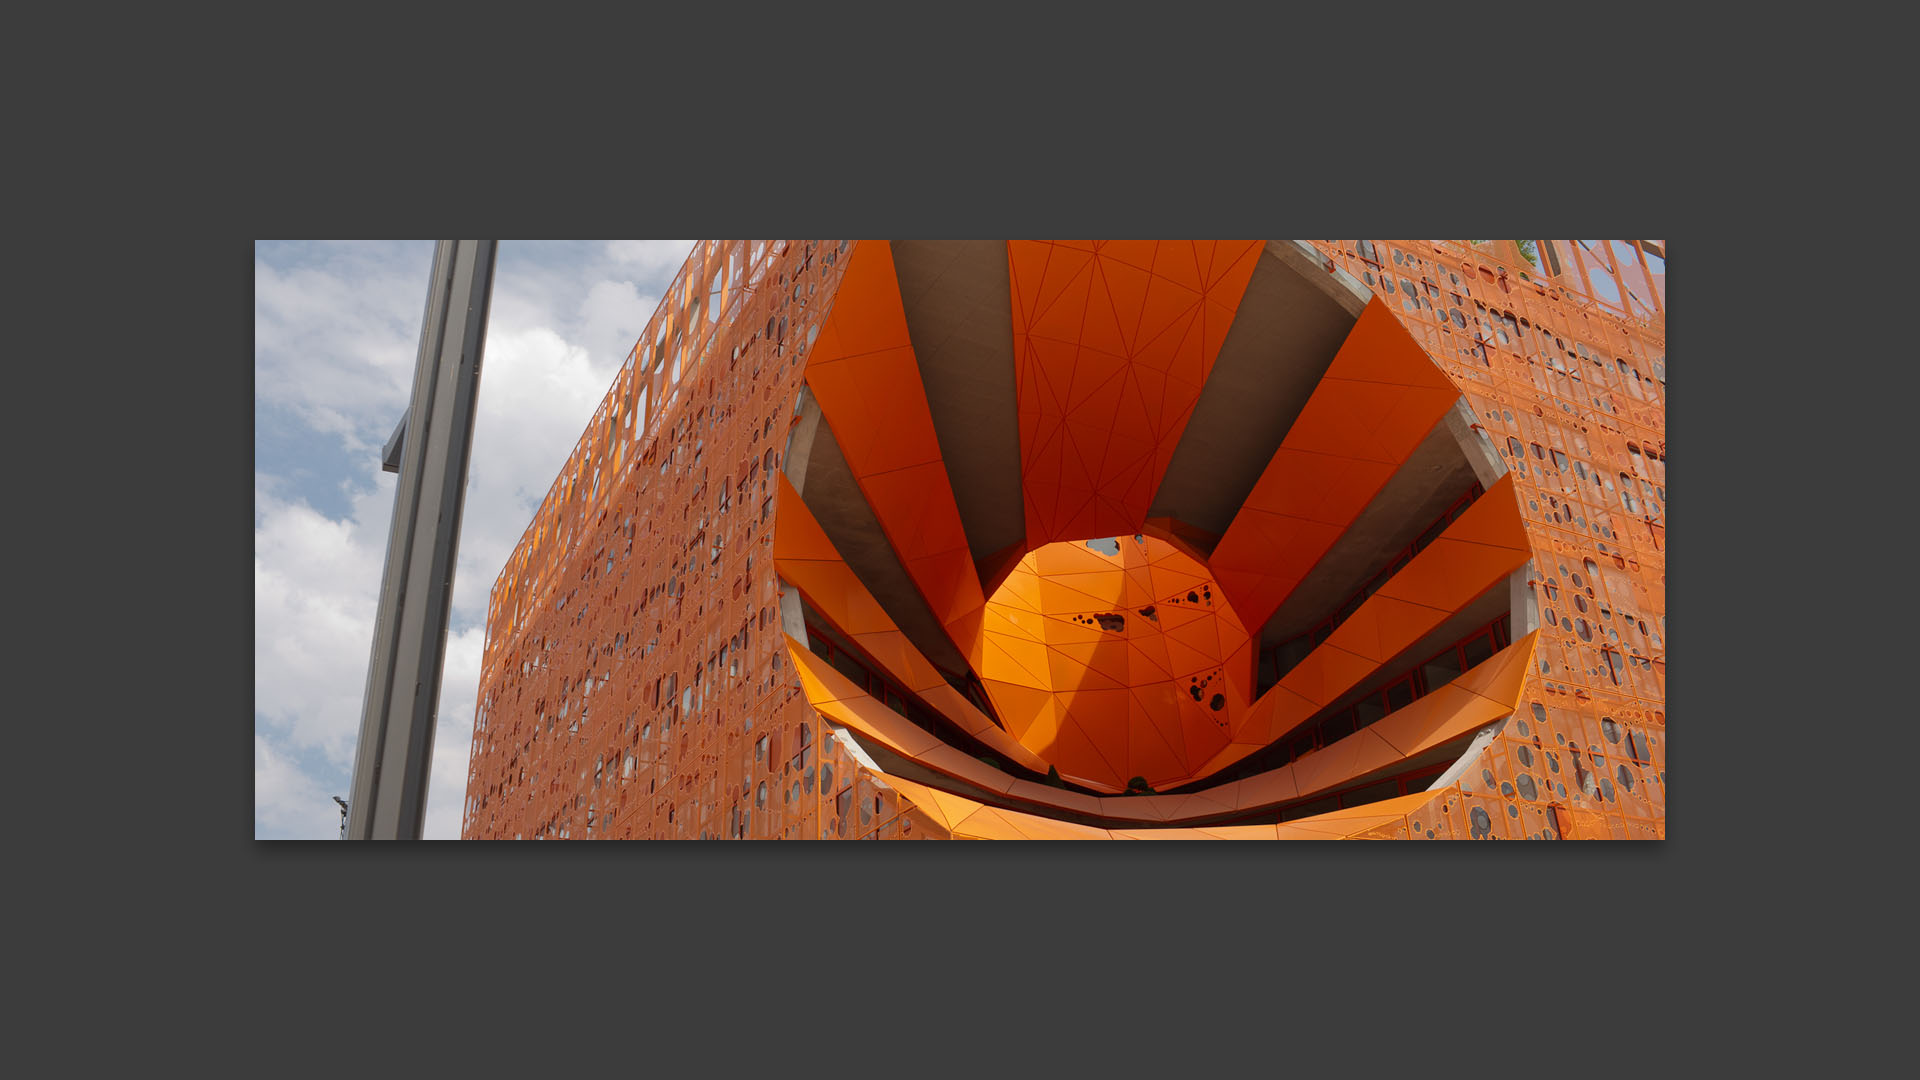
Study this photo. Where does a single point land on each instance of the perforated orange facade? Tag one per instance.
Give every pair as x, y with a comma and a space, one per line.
1104, 539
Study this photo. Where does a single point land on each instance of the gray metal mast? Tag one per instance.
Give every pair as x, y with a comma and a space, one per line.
430, 451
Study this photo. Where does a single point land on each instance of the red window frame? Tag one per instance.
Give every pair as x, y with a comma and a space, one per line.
1270, 658
1321, 734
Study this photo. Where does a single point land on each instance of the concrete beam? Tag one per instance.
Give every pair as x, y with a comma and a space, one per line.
1453, 456
1431, 478
1292, 319
1488, 466
798, 450
959, 306
818, 470
1323, 274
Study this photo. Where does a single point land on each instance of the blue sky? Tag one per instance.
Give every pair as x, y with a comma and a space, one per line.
336, 329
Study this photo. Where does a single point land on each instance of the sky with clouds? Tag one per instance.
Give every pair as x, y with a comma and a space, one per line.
336, 328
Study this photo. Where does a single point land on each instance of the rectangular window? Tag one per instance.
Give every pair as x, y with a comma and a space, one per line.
1373, 793
1420, 781
1400, 695
1346, 611
1441, 670
1319, 806
1477, 649
851, 668
1303, 744
1366, 712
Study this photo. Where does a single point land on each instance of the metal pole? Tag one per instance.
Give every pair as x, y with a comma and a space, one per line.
395, 756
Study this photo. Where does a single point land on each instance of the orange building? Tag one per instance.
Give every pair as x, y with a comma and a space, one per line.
1103, 539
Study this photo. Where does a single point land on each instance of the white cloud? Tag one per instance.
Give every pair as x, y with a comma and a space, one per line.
335, 336
336, 342
537, 393
288, 802
316, 584
613, 315
661, 258
453, 736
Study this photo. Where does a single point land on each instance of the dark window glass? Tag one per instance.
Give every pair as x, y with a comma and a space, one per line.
1347, 611
1386, 789
1478, 649
1368, 711
1441, 670
1319, 806
848, 666
1400, 695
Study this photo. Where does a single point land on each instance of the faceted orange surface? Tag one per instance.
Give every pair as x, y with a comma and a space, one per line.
1105, 659
1112, 342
